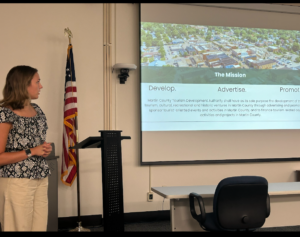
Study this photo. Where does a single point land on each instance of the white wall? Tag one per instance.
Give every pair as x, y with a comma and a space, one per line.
32, 34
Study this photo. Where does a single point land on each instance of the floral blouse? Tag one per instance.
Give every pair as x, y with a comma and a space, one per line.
26, 132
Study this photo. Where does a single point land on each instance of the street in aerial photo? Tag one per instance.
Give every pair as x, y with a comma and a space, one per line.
198, 46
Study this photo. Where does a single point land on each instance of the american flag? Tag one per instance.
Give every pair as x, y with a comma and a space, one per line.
69, 157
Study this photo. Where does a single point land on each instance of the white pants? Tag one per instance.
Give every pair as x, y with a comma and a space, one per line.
23, 204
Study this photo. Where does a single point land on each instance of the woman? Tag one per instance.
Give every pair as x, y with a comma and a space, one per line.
23, 168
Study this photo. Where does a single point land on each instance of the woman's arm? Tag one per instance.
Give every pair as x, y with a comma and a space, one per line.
14, 157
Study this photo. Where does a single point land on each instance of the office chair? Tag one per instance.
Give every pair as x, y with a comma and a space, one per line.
240, 204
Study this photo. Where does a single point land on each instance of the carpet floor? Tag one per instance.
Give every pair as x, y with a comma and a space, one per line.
165, 226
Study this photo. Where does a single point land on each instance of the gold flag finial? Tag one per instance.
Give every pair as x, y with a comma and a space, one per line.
68, 33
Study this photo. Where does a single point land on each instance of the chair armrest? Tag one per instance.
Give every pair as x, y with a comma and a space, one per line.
202, 217
268, 206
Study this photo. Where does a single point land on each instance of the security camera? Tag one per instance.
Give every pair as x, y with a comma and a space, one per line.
124, 70
124, 66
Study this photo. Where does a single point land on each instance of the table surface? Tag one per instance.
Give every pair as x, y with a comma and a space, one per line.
174, 192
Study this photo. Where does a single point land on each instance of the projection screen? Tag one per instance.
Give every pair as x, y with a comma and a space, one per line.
218, 85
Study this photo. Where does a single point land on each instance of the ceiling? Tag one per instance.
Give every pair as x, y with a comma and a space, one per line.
291, 8
289, 4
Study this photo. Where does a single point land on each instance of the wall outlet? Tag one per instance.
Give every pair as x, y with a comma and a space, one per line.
149, 196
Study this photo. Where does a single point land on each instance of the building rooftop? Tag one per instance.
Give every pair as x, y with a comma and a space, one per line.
228, 61
231, 45
177, 41
240, 50
202, 43
217, 66
265, 62
175, 48
215, 56
181, 51
189, 48
200, 48
250, 56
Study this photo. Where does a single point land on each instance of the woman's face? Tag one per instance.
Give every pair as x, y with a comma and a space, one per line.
34, 87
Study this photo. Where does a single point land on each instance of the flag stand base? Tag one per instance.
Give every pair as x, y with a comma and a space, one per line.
80, 228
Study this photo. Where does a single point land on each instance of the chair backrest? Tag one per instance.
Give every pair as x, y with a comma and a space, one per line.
241, 202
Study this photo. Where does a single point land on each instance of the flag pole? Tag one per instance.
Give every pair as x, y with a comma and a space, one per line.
78, 189
79, 228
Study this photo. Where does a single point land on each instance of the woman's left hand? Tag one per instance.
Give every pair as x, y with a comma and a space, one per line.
47, 148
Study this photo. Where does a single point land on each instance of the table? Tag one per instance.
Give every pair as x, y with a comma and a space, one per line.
284, 203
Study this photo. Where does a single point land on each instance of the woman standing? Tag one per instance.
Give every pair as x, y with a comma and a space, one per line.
23, 148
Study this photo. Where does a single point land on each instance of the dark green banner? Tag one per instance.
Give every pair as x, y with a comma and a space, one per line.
189, 75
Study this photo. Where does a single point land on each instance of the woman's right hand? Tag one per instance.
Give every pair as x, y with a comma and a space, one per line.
38, 150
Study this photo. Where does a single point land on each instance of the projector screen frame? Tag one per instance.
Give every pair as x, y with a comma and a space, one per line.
223, 161
220, 161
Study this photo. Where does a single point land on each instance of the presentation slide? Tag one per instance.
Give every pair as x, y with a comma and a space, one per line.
199, 77
218, 85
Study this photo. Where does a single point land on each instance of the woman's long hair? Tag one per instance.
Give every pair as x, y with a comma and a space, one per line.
15, 92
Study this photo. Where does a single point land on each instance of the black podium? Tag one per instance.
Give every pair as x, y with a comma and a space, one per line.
112, 178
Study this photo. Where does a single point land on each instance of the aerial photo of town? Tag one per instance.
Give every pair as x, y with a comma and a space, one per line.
176, 45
